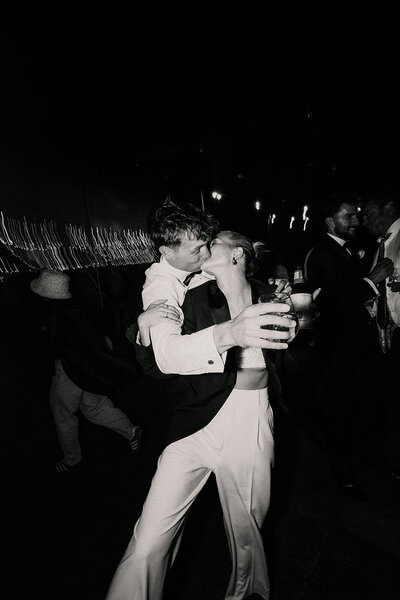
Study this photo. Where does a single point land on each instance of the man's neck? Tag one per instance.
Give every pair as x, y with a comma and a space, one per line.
170, 264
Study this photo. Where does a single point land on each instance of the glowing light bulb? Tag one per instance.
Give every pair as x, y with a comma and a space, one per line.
258, 205
292, 219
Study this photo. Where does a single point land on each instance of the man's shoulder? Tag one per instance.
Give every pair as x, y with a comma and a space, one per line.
325, 241
158, 269
324, 247
157, 273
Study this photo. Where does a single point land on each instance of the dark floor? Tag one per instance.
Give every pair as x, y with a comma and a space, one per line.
64, 537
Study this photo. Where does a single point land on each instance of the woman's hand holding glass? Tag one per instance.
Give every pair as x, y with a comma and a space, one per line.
246, 329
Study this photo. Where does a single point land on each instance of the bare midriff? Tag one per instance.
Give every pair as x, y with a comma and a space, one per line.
252, 379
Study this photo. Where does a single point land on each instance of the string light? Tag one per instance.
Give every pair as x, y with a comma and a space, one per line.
305, 223
273, 218
258, 205
216, 195
305, 209
39, 246
292, 219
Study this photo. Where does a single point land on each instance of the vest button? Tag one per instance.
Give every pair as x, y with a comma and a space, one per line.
210, 362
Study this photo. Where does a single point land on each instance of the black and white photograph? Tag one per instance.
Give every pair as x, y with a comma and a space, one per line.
199, 307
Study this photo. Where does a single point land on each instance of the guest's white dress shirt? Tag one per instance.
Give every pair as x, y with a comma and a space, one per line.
392, 251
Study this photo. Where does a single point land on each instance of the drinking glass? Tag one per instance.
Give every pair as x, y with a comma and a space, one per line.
292, 320
395, 276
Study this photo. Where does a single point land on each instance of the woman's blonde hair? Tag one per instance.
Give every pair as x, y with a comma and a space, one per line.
252, 251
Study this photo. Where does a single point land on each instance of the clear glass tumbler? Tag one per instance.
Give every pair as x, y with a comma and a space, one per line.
292, 320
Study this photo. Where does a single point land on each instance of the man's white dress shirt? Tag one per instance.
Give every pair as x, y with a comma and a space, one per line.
176, 353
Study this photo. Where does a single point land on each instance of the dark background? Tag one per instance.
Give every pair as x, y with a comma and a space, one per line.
104, 114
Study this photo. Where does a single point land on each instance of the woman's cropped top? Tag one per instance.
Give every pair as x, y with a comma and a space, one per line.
250, 358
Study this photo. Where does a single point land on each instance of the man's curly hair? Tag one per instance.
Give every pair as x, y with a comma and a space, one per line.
172, 222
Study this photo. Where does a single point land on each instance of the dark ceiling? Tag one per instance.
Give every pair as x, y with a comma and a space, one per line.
123, 100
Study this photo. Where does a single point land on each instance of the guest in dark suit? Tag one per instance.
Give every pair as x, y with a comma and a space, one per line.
346, 383
221, 423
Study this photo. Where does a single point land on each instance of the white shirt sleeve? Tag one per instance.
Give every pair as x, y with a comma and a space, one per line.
371, 283
191, 354
176, 353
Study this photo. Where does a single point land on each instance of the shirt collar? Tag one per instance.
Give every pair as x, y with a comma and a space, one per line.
177, 273
394, 228
337, 239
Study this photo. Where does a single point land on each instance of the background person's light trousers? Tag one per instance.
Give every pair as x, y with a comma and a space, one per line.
237, 445
66, 399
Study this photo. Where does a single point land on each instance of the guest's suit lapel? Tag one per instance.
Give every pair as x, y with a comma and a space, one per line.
338, 250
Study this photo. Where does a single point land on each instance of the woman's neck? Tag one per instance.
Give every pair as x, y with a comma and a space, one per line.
236, 289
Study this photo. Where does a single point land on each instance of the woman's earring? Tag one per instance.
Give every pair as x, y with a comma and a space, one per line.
234, 261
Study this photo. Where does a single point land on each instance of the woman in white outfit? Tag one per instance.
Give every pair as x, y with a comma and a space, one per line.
221, 424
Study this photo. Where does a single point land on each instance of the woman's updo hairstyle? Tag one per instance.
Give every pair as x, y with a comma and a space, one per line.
252, 251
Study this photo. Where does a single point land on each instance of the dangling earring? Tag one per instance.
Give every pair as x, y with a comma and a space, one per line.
234, 261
